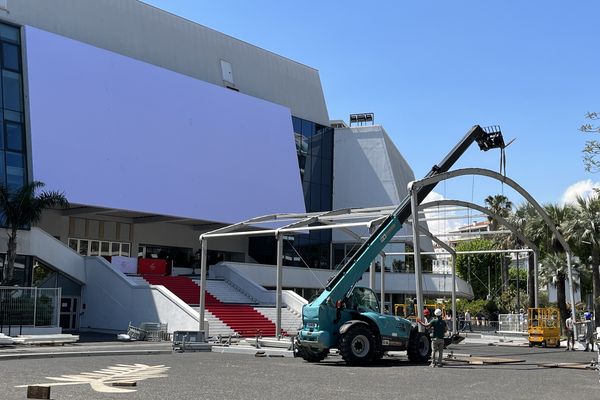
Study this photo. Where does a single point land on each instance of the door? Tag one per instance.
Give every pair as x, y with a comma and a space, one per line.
69, 313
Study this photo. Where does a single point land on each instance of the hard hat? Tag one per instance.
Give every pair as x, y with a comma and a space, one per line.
437, 312
588, 315
426, 311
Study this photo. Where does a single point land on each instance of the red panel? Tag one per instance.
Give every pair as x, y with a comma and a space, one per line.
152, 266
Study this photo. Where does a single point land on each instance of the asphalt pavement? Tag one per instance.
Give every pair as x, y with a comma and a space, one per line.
206, 375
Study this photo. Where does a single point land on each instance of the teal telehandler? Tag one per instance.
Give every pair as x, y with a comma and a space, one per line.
346, 316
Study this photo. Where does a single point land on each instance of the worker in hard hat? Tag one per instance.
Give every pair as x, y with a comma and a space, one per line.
439, 331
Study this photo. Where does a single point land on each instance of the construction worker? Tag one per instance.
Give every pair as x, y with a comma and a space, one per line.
426, 315
589, 330
439, 331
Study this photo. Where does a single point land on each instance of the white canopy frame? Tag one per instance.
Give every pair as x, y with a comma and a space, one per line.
343, 219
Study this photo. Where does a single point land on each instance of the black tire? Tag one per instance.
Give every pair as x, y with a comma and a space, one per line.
557, 344
530, 344
419, 347
310, 355
357, 345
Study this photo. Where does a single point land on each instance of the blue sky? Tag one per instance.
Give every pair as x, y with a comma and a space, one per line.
431, 70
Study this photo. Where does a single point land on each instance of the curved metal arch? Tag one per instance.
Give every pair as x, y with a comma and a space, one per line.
503, 222
483, 210
494, 175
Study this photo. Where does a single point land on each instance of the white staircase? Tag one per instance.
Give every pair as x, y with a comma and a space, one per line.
290, 321
215, 325
226, 292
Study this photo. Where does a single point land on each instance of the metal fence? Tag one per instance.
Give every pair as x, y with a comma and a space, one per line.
29, 307
512, 323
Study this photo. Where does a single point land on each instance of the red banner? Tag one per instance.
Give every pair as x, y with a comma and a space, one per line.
152, 266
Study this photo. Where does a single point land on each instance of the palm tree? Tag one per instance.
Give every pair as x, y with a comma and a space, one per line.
21, 208
554, 272
584, 229
521, 219
501, 206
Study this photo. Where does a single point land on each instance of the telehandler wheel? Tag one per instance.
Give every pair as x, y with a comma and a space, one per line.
419, 347
357, 345
311, 355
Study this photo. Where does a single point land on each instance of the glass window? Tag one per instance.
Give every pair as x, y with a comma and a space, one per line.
11, 90
15, 172
297, 124
315, 197
125, 249
73, 244
325, 198
94, 248
315, 146
308, 128
14, 136
115, 249
315, 170
10, 56
13, 116
327, 144
10, 33
83, 247
326, 167
104, 248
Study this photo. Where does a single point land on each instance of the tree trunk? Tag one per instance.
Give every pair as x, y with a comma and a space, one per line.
11, 255
596, 283
530, 280
561, 300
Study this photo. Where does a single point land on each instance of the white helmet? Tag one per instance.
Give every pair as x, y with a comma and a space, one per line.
437, 312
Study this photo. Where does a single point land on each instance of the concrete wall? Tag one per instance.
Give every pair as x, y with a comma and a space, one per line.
369, 171
146, 33
112, 302
434, 285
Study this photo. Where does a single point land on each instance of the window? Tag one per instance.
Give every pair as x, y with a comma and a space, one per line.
11, 90
14, 136
87, 247
10, 57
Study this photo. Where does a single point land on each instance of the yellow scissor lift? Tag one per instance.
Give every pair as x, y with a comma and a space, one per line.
544, 327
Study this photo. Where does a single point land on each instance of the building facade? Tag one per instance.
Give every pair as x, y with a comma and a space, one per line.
159, 129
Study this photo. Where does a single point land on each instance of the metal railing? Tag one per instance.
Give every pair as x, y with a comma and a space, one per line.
512, 323
29, 307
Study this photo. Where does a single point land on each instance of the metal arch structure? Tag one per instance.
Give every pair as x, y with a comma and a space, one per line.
502, 221
495, 175
342, 219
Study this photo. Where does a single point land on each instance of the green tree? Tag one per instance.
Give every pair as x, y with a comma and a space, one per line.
583, 228
476, 268
500, 205
21, 208
592, 147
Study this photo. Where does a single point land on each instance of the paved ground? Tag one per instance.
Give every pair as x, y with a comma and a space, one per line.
235, 376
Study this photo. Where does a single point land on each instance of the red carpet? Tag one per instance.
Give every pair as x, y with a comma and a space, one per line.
242, 318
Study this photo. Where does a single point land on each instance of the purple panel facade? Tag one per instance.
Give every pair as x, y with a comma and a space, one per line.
115, 132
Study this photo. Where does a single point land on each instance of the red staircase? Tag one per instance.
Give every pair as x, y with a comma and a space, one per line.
242, 318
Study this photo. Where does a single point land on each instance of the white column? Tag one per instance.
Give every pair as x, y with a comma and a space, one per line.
203, 256
535, 278
279, 284
417, 254
454, 327
571, 293
382, 285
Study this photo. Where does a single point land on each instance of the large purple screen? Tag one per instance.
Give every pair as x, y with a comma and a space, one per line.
116, 132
